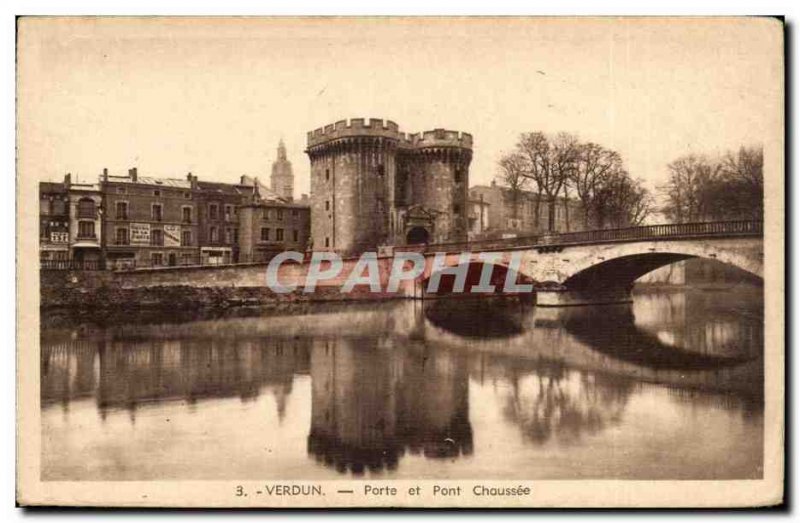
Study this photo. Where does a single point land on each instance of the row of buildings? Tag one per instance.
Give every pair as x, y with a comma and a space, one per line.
371, 185
140, 221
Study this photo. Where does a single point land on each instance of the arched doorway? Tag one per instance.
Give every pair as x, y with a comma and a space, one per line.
417, 235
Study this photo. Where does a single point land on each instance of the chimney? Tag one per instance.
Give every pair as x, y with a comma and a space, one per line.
133, 174
192, 180
67, 180
105, 174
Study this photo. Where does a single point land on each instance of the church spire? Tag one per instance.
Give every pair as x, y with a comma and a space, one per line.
281, 150
282, 177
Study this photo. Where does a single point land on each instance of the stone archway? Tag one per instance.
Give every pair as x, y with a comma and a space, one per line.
417, 235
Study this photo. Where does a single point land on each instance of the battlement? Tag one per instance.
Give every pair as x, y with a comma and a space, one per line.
437, 138
354, 127
375, 127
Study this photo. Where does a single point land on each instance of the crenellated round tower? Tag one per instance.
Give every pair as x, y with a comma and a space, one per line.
352, 165
436, 165
372, 185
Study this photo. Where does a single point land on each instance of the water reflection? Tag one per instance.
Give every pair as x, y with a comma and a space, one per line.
413, 390
373, 401
553, 402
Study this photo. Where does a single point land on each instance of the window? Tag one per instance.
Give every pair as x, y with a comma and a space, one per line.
122, 236
157, 212
280, 214
187, 215
86, 208
279, 235
59, 206
156, 193
187, 195
186, 238
456, 208
327, 174
212, 211
228, 213
295, 213
120, 190
156, 258
381, 170
229, 235
327, 205
236, 236
122, 210
327, 242
265, 234
295, 235
213, 236
157, 237
186, 259
457, 175
85, 229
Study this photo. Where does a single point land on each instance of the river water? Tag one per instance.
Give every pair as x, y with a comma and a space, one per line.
668, 387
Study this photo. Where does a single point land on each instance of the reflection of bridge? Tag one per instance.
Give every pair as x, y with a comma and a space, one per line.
601, 266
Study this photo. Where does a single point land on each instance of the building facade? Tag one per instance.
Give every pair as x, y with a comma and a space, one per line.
85, 222
478, 217
149, 221
523, 213
270, 227
373, 185
217, 221
54, 223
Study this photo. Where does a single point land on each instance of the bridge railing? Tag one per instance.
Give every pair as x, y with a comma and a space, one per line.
645, 232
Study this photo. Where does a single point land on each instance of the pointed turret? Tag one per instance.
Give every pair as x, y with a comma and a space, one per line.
282, 179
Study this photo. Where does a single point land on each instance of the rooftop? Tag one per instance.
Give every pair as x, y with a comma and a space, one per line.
150, 180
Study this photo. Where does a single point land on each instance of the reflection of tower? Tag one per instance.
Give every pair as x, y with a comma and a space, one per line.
282, 179
370, 404
353, 406
434, 407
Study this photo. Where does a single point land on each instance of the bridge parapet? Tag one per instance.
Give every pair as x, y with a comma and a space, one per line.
667, 231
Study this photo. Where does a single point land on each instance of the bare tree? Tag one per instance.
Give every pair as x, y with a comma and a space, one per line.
742, 177
512, 175
688, 189
560, 166
594, 164
700, 188
622, 201
550, 162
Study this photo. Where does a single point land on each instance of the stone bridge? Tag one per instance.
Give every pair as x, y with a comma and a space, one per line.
601, 266
588, 267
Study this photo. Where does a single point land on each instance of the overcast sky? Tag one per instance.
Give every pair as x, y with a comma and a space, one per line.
214, 97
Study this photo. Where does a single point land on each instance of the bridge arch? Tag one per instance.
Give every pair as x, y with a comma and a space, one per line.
623, 264
596, 274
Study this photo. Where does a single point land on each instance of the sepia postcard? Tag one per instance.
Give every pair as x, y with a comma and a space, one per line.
412, 262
